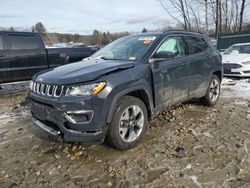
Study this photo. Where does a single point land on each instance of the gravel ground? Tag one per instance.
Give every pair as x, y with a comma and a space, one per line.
186, 146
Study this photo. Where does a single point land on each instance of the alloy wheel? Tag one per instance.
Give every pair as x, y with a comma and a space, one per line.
131, 123
214, 90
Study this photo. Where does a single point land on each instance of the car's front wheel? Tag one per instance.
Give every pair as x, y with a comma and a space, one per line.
213, 91
129, 123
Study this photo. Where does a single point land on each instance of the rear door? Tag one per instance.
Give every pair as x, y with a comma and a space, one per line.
199, 65
4, 61
27, 56
170, 76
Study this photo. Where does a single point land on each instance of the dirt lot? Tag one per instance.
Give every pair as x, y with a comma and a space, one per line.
187, 146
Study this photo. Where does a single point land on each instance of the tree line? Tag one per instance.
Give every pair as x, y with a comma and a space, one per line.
97, 37
207, 16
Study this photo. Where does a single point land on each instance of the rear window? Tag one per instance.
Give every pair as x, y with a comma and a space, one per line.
1, 42
194, 44
23, 42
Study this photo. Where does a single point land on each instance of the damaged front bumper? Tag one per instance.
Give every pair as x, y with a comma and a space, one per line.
70, 119
67, 135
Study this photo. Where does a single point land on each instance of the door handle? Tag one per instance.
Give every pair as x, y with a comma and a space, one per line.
183, 64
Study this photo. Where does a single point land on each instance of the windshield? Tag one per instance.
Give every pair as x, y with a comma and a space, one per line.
130, 48
244, 49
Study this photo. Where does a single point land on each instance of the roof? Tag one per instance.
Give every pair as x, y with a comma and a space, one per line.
18, 32
171, 32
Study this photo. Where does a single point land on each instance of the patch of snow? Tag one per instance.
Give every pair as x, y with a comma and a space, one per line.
5, 118
193, 131
189, 166
241, 103
207, 134
194, 178
236, 88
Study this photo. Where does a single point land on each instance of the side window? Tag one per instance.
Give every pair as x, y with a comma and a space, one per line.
1, 42
194, 44
173, 45
23, 42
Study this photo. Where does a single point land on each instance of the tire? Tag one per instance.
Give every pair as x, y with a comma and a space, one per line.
213, 92
126, 130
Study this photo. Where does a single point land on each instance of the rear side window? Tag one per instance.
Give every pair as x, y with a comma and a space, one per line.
23, 42
1, 42
194, 44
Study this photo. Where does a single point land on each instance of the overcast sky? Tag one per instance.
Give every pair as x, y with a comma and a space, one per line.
83, 16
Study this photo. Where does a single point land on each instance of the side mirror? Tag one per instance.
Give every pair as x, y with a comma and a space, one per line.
163, 56
205, 45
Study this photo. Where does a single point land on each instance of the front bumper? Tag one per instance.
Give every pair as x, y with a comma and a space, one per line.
240, 72
70, 119
236, 69
67, 135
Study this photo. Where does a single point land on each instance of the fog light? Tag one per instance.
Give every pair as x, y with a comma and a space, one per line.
79, 117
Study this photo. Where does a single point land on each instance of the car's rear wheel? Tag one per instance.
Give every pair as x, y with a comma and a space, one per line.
129, 123
213, 92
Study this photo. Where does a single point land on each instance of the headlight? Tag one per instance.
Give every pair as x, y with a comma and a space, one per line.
246, 63
86, 90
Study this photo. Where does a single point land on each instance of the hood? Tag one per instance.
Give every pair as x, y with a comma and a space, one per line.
235, 58
83, 71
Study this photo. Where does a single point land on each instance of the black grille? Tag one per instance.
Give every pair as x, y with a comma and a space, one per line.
228, 71
46, 90
231, 66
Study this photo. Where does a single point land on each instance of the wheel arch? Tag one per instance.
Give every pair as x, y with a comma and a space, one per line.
219, 74
140, 93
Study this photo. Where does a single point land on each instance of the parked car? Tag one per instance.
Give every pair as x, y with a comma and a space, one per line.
112, 94
236, 60
22, 54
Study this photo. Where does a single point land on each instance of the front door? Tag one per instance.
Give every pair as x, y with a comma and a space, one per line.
170, 76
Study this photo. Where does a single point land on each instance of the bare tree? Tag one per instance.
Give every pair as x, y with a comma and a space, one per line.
206, 16
180, 6
225, 12
218, 15
241, 14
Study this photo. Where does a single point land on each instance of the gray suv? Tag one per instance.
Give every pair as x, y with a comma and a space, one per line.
112, 94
